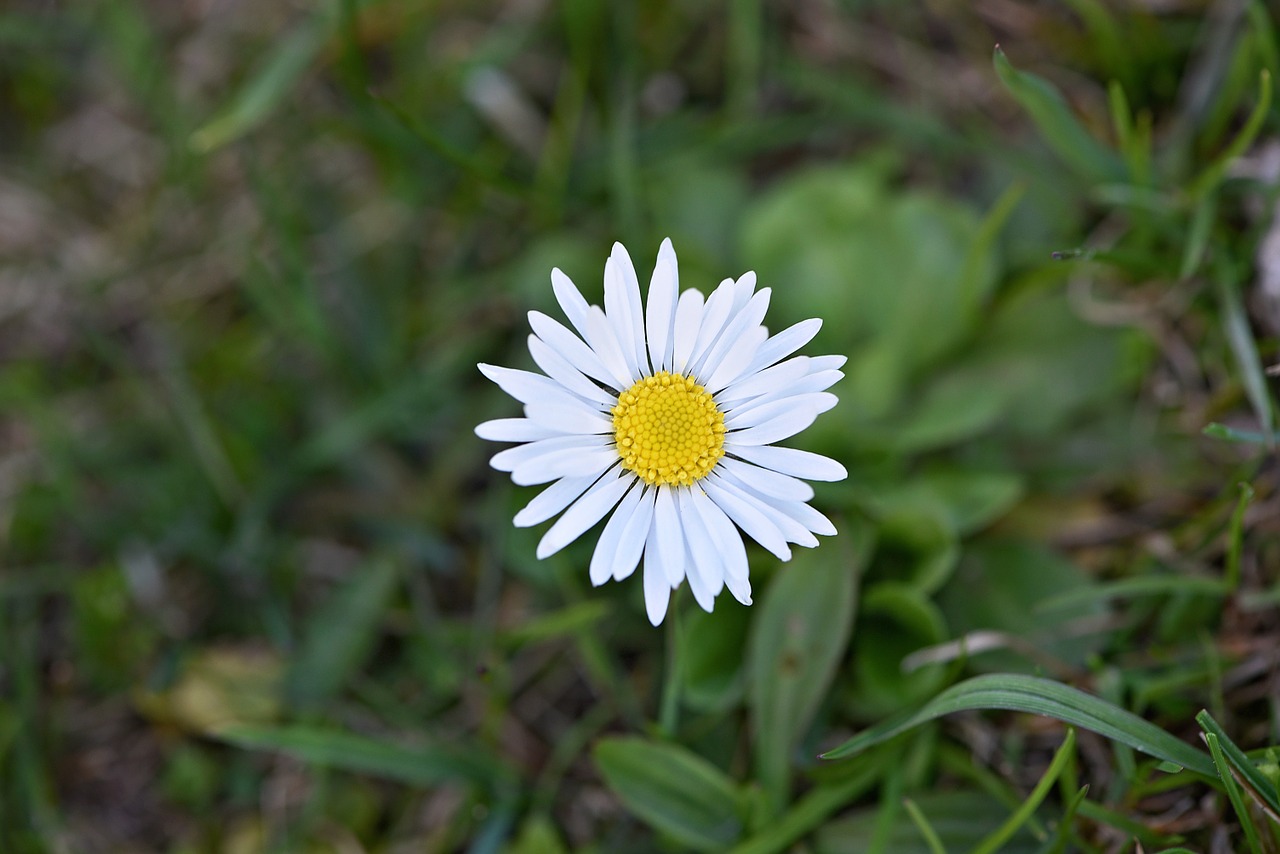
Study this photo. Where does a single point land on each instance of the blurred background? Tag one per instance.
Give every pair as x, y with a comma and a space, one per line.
260, 591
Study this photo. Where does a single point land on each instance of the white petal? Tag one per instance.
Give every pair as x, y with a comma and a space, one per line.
783, 425
656, 590
782, 513
717, 312
705, 567
559, 369
552, 500
568, 419
604, 342
570, 347
740, 588
617, 306
689, 310
512, 430
604, 558
767, 381
571, 301
799, 512
634, 306
827, 363
793, 461
767, 482
512, 458
786, 342
735, 361
734, 334
526, 386
669, 535
765, 409
727, 540
585, 512
756, 524
568, 463
631, 543
660, 314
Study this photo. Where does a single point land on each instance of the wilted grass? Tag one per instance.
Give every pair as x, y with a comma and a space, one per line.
260, 591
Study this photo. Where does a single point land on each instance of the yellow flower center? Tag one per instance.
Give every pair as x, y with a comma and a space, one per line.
668, 429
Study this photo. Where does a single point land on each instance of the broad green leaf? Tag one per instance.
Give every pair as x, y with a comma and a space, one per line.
1016, 579
537, 836
266, 88
711, 660
797, 640
1058, 124
1039, 696
340, 635
896, 620
412, 764
675, 791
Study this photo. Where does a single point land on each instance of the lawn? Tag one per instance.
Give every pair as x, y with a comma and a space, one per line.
260, 586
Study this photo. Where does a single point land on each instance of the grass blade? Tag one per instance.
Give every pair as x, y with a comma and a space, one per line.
1004, 832
1236, 327
1259, 787
1233, 794
1039, 696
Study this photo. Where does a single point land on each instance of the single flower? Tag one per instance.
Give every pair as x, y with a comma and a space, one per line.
666, 415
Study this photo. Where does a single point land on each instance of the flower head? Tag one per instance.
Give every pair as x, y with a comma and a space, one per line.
665, 415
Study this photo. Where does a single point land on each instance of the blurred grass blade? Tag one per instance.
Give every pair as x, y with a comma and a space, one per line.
796, 644
1255, 783
1264, 33
1062, 837
922, 824
1212, 175
1240, 337
414, 765
1038, 696
1198, 236
1235, 536
676, 791
340, 635
1005, 832
1233, 793
266, 87
1142, 585
1231, 434
975, 279
1059, 126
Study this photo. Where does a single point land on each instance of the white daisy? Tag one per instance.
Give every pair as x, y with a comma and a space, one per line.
667, 416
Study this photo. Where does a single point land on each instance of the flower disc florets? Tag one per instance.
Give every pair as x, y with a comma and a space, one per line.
668, 429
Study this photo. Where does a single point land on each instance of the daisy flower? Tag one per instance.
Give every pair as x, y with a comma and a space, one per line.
666, 415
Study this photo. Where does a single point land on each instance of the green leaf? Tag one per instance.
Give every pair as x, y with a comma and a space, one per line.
711, 660
1016, 580
899, 619
675, 791
412, 764
1233, 793
812, 810
266, 87
1212, 176
1058, 124
1259, 787
797, 640
1041, 697
340, 635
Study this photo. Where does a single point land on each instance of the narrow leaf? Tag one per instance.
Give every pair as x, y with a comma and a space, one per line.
1258, 786
1055, 120
1041, 697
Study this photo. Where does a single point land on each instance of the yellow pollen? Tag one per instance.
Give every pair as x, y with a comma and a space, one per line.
668, 429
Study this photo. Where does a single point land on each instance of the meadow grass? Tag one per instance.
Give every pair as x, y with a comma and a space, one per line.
260, 591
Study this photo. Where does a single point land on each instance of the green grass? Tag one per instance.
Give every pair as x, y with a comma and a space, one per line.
260, 590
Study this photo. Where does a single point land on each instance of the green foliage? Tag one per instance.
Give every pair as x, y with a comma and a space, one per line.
260, 591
